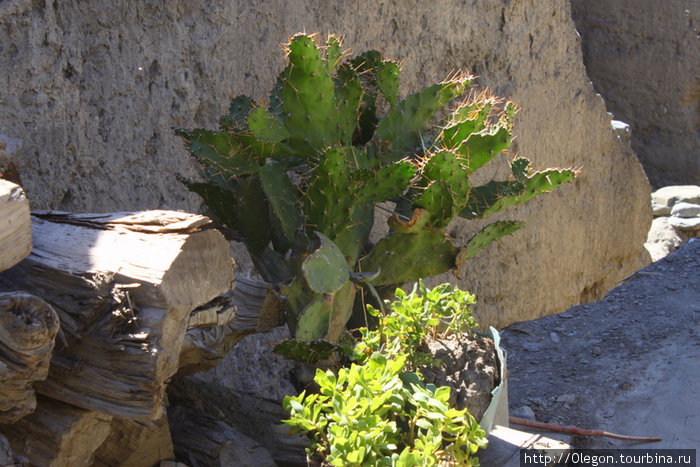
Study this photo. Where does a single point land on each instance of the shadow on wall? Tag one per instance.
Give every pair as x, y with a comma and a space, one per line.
630, 54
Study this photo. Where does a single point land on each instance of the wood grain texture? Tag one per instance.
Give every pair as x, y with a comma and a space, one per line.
123, 285
15, 225
28, 328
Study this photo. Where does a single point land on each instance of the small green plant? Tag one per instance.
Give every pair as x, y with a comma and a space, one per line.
411, 318
299, 178
378, 414
379, 411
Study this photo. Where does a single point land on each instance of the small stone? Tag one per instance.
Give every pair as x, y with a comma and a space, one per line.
524, 412
596, 351
685, 210
531, 347
554, 336
567, 398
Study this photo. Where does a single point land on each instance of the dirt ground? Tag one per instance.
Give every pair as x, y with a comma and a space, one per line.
626, 364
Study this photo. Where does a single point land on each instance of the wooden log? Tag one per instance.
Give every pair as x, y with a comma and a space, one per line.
202, 440
58, 434
15, 225
7, 457
256, 417
214, 328
134, 443
28, 328
123, 285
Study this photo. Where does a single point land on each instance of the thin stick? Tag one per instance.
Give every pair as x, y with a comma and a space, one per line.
574, 430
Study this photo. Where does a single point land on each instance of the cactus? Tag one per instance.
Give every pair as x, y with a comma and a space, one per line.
299, 178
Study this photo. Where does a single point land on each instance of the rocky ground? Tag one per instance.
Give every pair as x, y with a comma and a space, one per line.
626, 364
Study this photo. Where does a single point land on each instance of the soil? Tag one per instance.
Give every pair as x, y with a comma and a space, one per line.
626, 364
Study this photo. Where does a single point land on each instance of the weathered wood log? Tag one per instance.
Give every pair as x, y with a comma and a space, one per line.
15, 225
214, 328
134, 443
58, 434
7, 457
123, 285
202, 440
256, 417
28, 328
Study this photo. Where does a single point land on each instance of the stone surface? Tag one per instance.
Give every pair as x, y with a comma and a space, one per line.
644, 61
683, 223
662, 239
630, 361
94, 88
663, 199
685, 210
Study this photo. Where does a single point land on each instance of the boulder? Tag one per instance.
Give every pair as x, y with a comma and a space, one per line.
102, 83
642, 57
662, 239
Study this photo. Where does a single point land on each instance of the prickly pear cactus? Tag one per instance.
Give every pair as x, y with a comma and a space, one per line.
299, 178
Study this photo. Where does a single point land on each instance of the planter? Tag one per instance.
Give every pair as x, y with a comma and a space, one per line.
497, 411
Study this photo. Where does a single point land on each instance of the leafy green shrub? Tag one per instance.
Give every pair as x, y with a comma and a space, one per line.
299, 178
378, 411
376, 414
412, 317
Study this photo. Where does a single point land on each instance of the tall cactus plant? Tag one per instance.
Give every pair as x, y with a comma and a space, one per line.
299, 178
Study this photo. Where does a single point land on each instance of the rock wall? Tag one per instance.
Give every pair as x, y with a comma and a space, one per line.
94, 88
644, 58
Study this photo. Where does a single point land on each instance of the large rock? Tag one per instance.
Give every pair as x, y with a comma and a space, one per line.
94, 88
643, 58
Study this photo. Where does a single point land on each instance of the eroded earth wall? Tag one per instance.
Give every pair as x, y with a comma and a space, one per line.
93, 89
644, 58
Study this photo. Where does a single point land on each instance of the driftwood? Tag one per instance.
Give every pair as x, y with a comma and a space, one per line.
28, 327
123, 285
15, 225
135, 443
214, 328
58, 434
201, 440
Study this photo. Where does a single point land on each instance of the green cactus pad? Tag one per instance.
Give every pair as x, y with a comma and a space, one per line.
406, 121
495, 196
217, 199
385, 183
313, 322
465, 121
266, 127
326, 269
437, 199
308, 99
407, 257
253, 217
388, 73
348, 96
520, 167
334, 52
329, 197
413, 225
219, 151
485, 236
480, 148
341, 311
238, 111
282, 198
